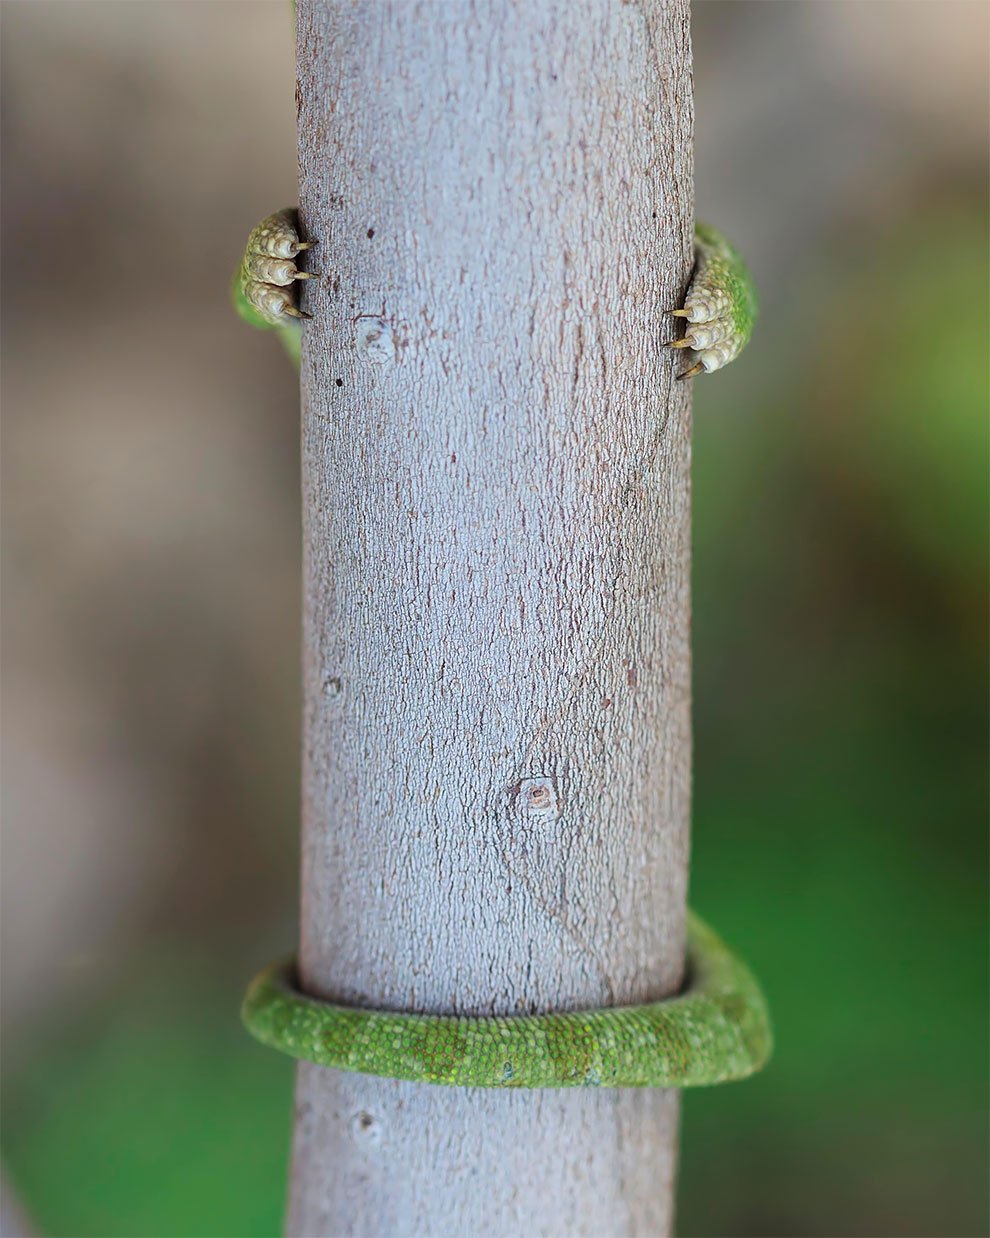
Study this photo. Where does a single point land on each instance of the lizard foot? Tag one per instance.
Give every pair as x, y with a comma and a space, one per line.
720, 304
264, 288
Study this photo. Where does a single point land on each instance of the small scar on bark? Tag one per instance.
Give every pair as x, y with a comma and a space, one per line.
535, 798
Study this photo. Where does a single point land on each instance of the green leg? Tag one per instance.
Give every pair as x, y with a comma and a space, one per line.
720, 304
264, 289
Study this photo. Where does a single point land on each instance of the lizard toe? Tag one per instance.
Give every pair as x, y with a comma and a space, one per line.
268, 274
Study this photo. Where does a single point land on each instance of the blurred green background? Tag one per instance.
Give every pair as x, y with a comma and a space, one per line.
151, 567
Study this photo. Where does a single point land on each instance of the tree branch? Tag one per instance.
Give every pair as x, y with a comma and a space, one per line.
496, 502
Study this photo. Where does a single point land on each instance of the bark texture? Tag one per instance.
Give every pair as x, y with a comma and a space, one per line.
496, 463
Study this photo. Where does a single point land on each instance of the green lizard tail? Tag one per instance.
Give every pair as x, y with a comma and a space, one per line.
716, 1030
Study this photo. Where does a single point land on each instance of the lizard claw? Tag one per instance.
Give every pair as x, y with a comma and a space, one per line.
720, 304
268, 270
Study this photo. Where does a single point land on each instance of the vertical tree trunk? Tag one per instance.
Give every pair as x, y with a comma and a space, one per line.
496, 503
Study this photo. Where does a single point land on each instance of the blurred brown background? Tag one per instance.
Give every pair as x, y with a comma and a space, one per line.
151, 615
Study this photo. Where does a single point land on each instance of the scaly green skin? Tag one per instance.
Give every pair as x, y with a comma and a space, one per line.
717, 1030
719, 305
264, 282
720, 264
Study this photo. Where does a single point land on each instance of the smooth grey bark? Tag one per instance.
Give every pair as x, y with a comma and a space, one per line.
496, 775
